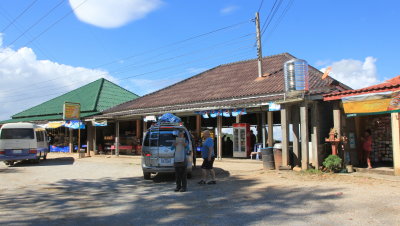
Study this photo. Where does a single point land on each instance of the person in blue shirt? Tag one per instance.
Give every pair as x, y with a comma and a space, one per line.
207, 153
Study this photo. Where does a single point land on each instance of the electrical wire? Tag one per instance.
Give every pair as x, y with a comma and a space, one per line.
155, 49
19, 15
279, 20
121, 79
259, 8
37, 22
272, 17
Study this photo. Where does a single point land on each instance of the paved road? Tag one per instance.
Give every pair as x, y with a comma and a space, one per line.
104, 191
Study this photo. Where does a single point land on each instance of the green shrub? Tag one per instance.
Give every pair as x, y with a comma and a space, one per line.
333, 163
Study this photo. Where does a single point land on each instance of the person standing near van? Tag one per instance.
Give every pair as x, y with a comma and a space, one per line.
207, 153
180, 163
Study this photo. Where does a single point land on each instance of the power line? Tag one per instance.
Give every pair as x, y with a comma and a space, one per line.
4, 13
176, 43
290, 3
158, 48
37, 22
19, 15
266, 24
48, 28
151, 60
259, 8
129, 77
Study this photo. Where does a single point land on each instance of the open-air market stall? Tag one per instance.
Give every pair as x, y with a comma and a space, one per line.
240, 85
92, 98
374, 109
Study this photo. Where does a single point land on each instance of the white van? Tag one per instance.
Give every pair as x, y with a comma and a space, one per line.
158, 152
22, 141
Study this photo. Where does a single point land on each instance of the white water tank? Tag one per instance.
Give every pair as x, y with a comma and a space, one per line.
296, 75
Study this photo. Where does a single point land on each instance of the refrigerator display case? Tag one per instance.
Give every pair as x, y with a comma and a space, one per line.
241, 140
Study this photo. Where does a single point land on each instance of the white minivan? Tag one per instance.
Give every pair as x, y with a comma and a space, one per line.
22, 141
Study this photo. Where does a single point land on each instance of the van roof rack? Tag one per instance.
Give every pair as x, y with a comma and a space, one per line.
169, 124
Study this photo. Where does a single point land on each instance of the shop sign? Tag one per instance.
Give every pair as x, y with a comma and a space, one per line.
71, 111
386, 102
74, 124
222, 112
150, 118
99, 123
272, 106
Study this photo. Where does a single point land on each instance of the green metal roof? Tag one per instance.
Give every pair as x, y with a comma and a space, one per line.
93, 97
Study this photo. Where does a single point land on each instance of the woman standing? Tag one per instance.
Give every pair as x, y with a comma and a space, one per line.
180, 162
367, 146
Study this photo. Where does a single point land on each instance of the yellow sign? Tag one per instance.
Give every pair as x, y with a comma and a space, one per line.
372, 103
71, 111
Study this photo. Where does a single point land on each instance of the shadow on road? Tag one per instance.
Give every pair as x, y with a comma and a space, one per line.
135, 201
48, 162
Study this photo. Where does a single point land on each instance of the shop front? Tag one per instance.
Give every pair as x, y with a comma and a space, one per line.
372, 110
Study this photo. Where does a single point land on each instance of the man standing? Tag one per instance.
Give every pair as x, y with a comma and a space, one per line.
207, 153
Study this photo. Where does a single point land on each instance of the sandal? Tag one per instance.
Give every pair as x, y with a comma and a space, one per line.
202, 182
212, 182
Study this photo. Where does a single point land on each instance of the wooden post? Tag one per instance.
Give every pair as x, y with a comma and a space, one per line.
296, 135
315, 135
263, 128
198, 126
337, 119
396, 142
88, 138
95, 140
71, 144
237, 118
304, 136
79, 136
138, 129
219, 128
285, 135
116, 138
270, 128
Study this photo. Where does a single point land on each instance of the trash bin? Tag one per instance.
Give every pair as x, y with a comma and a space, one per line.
82, 153
278, 155
268, 158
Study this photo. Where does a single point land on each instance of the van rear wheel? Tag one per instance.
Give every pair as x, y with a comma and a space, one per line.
146, 176
45, 156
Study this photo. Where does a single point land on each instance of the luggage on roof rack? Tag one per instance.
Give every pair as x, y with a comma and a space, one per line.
169, 118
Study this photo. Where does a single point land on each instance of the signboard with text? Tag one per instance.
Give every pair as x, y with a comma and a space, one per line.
71, 111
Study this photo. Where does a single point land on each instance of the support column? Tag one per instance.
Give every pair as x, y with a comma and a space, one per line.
296, 136
95, 140
116, 138
198, 126
259, 127
396, 142
263, 129
89, 135
238, 119
337, 120
315, 135
144, 126
219, 128
304, 136
138, 129
285, 135
270, 129
71, 144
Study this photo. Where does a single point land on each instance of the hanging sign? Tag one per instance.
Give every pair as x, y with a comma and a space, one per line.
71, 111
99, 123
386, 102
272, 106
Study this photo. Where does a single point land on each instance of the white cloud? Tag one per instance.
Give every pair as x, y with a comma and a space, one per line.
27, 81
229, 9
355, 73
112, 13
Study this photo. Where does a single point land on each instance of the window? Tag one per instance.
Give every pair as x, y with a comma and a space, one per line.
17, 134
166, 138
39, 136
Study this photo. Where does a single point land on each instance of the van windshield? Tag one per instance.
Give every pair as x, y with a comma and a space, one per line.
165, 138
19, 133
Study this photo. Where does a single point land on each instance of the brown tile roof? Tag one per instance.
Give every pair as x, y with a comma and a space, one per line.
228, 83
389, 85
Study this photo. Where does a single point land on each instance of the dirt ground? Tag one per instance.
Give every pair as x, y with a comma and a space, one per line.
110, 190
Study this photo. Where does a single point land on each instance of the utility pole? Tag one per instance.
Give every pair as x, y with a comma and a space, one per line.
259, 49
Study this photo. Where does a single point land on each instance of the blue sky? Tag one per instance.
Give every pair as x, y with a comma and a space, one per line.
144, 45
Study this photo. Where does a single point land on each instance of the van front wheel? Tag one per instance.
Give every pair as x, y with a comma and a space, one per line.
146, 176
